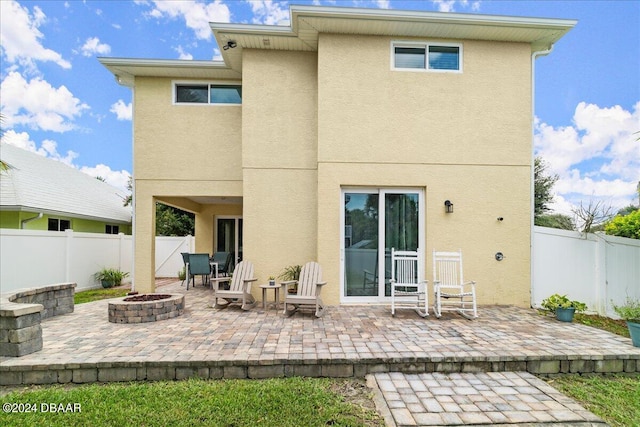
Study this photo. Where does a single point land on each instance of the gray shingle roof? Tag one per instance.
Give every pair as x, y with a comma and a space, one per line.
38, 184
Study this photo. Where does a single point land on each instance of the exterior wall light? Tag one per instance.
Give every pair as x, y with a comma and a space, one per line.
448, 206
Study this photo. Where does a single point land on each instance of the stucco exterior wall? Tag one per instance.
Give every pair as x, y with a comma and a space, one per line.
184, 142
464, 137
181, 152
279, 158
312, 124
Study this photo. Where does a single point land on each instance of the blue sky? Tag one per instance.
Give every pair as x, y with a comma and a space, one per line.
58, 100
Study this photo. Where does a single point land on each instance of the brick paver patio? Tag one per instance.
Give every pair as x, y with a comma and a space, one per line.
348, 341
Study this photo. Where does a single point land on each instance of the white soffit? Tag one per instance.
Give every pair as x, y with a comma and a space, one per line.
126, 69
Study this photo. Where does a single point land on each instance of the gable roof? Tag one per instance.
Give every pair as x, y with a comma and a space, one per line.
38, 184
307, 22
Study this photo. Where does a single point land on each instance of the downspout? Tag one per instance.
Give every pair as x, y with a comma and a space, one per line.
25, 221
534, 56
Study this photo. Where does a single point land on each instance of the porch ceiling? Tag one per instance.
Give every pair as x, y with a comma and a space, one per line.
216, 200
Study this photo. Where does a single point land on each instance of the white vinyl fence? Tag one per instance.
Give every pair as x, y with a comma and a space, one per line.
593, 268
30, 258
596, 269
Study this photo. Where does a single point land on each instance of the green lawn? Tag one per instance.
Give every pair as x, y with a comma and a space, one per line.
614, 399
274, 402
98, 294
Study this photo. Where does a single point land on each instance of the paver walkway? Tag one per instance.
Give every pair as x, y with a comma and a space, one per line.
348, 341
454, 399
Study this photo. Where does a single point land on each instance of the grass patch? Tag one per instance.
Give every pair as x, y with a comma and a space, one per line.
618, 327
615, 326
272, 402
98, 294
614, 399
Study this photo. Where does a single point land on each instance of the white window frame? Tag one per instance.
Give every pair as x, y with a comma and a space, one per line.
208, 83
425, 45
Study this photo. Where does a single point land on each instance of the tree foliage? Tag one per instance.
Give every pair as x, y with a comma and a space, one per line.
593, 216
543, 183
625, 226
560, 221
172, 221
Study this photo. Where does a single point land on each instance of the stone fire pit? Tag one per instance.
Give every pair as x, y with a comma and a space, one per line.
146, 308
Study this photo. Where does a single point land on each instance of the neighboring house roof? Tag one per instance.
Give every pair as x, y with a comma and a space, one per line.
37, 184
307, 22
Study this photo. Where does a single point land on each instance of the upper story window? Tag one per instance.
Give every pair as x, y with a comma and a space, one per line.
198, 93
427, 56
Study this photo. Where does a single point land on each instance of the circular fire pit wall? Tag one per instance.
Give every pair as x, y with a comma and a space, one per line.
146, 308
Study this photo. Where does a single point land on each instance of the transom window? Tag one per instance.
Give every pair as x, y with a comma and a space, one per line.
427, 56
202, 93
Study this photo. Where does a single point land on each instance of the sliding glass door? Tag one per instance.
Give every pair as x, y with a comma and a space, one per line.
229, 237
376, 220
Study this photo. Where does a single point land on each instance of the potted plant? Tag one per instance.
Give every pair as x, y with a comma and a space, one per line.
630, 311
291, 272
272, 281
563, 307
182, 274
110, 277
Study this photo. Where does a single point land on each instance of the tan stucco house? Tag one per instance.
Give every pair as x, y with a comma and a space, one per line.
343, 135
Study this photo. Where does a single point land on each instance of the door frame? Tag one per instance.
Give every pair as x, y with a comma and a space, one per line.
382, 192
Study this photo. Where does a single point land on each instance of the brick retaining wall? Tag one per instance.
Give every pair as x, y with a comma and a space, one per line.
22, 312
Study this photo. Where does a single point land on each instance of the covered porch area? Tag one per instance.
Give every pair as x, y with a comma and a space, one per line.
218, 226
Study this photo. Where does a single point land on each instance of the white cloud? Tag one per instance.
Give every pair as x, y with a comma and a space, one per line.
121, 110
450, 5
49, 149
183, 54
196, 15
269, 12
93, 46
118, 179
37, 104
445, 5
597, 158
20, 38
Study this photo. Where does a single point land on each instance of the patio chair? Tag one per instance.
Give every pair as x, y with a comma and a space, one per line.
408, 290
185, 260
452, 293
198, 265
308, 290
239, 291
224, 262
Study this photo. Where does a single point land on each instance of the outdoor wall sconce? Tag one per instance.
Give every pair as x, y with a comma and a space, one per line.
230, 45
448, 206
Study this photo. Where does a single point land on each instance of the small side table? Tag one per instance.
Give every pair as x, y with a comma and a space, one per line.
276, 289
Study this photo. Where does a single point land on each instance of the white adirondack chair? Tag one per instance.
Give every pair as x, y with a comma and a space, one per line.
239, 291
452, 293
408, 290
308, 293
